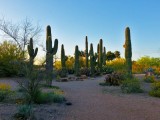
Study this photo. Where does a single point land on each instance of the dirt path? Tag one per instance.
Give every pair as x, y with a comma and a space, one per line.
90, 102
93, 102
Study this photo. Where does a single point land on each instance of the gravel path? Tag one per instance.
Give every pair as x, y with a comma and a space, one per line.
90, 102
93, 102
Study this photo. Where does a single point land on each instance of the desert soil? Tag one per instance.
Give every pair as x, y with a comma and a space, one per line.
93, 102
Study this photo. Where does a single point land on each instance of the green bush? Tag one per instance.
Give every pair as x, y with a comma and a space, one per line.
155, 89
25, 112
107, 70
4, 94
149, 79
131, 86
49, 98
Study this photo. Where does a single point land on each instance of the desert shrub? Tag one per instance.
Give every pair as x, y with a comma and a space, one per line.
62, 73
49, 98
70, 71
25, 112
85, 71
131, 86
114, 79
9, 52
155, 89
117, 64
107, 70
149, 79
5, 91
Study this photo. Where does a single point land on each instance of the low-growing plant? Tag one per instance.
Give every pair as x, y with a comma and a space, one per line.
5, 91
131, 85
107, 70
155, 89
85, 71
149, 79
62, 73
49, 98
25, 112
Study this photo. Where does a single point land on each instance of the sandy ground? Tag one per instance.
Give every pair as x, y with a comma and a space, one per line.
93, 102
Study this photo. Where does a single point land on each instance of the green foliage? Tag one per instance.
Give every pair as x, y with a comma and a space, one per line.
131, 85
49, 55
110, 56
62, 73
4, 94
107, 70
9, 52
155, 89
76, 64
117, 54
117, 64
86, 51
49, 98
149, 79
25, 112
128, 51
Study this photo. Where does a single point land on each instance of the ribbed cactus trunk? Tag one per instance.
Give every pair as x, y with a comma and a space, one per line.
100, 54
128, 51
86, 52
104, 56
92, 60
49, 55
76, 64
63, 60
32, 53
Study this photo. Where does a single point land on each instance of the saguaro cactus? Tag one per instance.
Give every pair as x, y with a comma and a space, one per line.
97, 55
32, 53
128, 51
100, 54
92, 59
86, 52
49, 54
63, 58
76, 63
104, 56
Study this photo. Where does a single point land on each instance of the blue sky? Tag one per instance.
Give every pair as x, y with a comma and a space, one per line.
72, 20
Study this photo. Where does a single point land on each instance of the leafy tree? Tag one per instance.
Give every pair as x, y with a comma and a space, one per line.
117, 54
9, 52
110, 55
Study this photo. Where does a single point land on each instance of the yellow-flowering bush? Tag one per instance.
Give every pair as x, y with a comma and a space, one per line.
4, 86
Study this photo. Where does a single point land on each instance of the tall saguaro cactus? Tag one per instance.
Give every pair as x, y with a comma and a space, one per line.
86, 51
63, 58
128, 51
92, 59
104, 56
97, 55
32, 53
100, 54
49, 54
76, 63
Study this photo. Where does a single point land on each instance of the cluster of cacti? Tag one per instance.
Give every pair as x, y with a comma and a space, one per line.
86, 52
32, 53
100, 55
128, 51
49, 54
76, 63
92, 59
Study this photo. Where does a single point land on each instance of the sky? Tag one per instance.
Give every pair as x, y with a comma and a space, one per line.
72, 20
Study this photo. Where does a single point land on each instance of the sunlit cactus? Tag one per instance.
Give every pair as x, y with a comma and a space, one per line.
128, 51
76, 64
